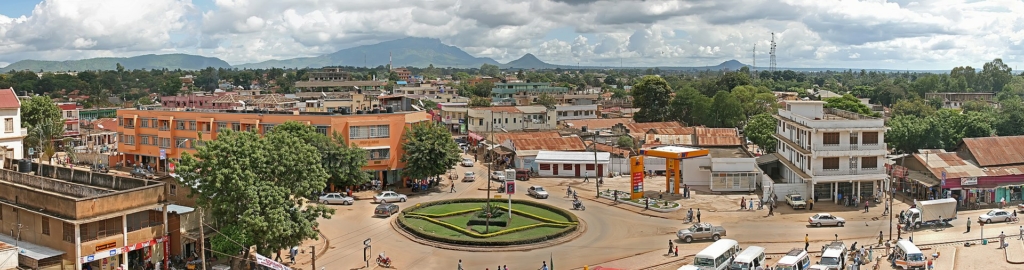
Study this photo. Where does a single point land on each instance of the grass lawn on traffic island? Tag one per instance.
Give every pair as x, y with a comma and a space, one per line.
544, 224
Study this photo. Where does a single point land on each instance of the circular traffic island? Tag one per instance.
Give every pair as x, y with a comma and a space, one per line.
473, 224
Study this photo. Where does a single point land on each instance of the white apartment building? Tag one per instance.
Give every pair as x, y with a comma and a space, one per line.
510, 118
12, 135
830, 151
576, 112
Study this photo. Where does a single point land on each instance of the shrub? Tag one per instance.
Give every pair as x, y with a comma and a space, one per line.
471, 238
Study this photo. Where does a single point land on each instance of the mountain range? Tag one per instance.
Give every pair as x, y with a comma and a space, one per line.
411, 52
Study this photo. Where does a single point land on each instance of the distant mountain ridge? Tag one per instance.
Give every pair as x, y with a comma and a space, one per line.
410, 52
149, 61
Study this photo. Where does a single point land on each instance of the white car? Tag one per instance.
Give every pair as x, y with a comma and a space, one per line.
1020, 207
469, 177
538, 192
826, 219
336, 198
996, 216
389, 196
467, 162
498, 176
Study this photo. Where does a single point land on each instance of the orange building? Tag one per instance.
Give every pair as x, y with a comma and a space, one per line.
152, 137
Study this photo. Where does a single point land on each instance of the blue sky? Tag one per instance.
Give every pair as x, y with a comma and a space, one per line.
897, 34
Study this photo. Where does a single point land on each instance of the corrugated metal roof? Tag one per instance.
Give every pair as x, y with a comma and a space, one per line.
712, 140
669, 139
502, 137
953, 165
612, 149
995, 151
672, 131
532, 109
9, 99
506, 109
644, 127
597, 123
561, 156
560, 143
716, 131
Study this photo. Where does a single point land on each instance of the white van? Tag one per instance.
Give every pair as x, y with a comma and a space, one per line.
908, 256
717, 256
833, 256
795, 259
749, 259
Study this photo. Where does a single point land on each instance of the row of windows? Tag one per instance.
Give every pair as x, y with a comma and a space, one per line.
378, 154
734, 180
566, 167
366, 132
833, 138
865, 163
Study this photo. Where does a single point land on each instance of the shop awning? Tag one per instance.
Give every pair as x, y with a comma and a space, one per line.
36, 252
475, 137
923, 179
376, 147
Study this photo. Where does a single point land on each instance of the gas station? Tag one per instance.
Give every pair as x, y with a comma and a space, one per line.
673, 156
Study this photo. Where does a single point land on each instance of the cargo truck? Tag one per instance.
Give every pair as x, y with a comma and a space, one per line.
932, 212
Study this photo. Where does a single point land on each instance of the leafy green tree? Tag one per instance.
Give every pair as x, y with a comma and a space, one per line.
729, 81
479, 102
849, 103
228, 239
258, 185
691, 107
760, 130
342, 162
726, 111
626, 141
461, 76
546, 100
610, 80
619, 93
906, 133
917, 107
653, 94
429, 150
483, 89
1011, 118
755, 100
490, 70
41, 117
995, 75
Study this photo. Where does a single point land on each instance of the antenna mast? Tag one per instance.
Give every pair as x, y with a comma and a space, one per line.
753, 60
771, 64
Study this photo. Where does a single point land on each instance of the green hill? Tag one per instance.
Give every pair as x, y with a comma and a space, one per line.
149, 61
414, 52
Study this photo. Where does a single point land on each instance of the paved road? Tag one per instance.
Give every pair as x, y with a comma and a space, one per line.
613, 233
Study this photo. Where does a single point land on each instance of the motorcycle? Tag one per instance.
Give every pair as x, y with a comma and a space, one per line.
578, 205
383, 260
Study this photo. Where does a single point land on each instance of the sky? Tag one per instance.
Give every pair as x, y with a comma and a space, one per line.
871, 34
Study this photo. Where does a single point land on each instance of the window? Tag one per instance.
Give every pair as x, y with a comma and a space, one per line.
378, 154
67, 114
267, 128
221, 125
129, 123
68, 232
165, 125
174, 190
100, 229
143, 140
46, 225
180, 142
236, 126
1, 212
180, 125
322, 129
145, 219
590, 167
870, 138
567, 166
191, 125
545, 166
830, 138
869, 162
165, 142
830, 163
129, 139
144, 123
9, 125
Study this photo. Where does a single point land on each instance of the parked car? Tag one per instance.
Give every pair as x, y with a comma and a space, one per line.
523, 174
142, 173
701, 231
1020, 207
469, 177
389, 196
796, 201
385, 210
996, 216
826, 219
498, 176
336, 198
537, 192
467, 162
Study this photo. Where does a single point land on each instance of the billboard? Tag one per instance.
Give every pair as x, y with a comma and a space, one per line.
636, 172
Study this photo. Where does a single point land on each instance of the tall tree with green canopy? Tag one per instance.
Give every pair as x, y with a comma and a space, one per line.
917, 107
754, 100
429, 150
546, 100
653, 95
849, 103
1011, 117
691, 107
760, 130
490, 70
726, 111
259, 186
342, 162
41, 118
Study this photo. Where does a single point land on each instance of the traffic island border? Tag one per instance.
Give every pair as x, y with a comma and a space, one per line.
641, 206
581, 228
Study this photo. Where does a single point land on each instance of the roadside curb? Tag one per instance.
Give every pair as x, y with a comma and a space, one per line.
670, 210
580, 229
1006, 254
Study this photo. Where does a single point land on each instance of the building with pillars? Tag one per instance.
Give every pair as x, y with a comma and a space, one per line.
827, 152
68, 218
154, 137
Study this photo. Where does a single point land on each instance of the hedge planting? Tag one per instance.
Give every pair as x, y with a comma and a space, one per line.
472, 238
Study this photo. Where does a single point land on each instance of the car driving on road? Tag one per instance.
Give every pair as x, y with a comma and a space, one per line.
385, 210
701, 231
826, 219
389, 196
538, 192
142, 173
467, 162
469, 177
996, 216
336, 198
498, 176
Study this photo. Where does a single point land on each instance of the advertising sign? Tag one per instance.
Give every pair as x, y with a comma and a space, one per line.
264, 261
636, 172
163, 154
510, 187
968, 181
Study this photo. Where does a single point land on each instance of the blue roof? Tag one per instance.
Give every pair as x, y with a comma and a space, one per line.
401, 83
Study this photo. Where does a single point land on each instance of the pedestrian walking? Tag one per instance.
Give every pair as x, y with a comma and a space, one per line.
880, 238
771, 210
810, 204
686, 191
568, 191
743, 203
886, 212
677, 251
504, 267
1021, 237
750, 204
866, 202
670, 245
460, 264
807, 241
968, 225
647, 203
544, 266
698, 215
453, 187
1002, 240
586, 177
689, 215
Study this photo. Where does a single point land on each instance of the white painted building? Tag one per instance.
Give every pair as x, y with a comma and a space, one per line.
830, 151
571, 164
576, 112
510, 118
723, 169
12, 135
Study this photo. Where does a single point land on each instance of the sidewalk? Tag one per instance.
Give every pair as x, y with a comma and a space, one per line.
1015, 251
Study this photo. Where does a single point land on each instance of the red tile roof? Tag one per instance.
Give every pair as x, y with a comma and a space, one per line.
108, 124
8, 99
68, 106
597, 123
995, 151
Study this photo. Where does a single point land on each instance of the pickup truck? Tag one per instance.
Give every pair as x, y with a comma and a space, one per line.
796, 201
701, 231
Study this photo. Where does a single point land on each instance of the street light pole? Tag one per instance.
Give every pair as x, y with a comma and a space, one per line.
490, 162
597, 183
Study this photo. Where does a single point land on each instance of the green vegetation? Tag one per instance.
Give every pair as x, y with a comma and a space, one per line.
41, 117
464, 222
429, 150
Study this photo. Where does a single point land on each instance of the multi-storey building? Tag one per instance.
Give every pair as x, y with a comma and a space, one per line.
524, 93
72, 124
68, 218
510, 118
576, 112
957, 100
830, 151
403, 74
12, 135
153, 137
198, 100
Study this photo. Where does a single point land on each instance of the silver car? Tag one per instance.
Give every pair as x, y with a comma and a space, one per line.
826, 219
389, 196
537, 192
467, 162
336, 198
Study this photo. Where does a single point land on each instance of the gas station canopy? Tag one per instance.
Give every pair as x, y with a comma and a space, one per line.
674, 152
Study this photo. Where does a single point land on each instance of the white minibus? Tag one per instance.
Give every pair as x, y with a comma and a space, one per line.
751, 258
717, 256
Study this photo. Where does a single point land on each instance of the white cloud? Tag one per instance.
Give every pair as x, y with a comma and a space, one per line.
900, 34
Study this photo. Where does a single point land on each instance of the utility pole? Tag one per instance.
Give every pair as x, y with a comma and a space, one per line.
314, 256
202, 239
490, 162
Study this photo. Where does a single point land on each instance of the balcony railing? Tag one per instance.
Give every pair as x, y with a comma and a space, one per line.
835, 172
848, 147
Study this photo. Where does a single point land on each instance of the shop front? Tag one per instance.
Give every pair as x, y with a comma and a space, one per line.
143, 254
985, 191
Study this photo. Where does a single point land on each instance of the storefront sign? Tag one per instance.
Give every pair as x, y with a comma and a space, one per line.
968, 181
264, 261
367, 143
510, 187
636, 172
106, 246
101, 255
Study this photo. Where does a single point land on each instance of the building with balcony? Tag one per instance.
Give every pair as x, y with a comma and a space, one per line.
68, 218
13, 134
826, 152
576, 112
72, 123
329, 74
510, 118
153, 137
524, 93
957, 100
403, 74
197, 100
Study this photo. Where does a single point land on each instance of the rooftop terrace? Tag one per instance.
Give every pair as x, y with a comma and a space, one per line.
75, 194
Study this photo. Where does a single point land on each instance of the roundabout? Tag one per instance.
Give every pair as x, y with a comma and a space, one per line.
472, 224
